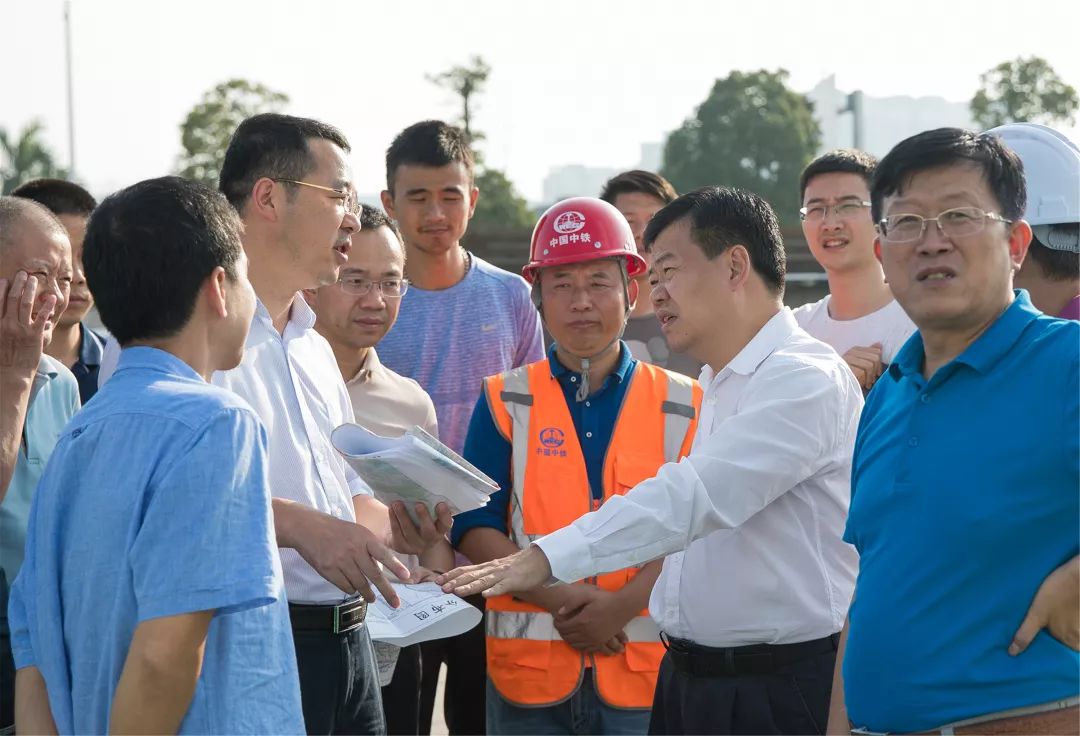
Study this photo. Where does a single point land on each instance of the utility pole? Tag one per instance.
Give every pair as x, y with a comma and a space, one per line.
70, 95
855, 107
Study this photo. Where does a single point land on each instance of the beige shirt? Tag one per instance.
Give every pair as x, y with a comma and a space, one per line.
387, 403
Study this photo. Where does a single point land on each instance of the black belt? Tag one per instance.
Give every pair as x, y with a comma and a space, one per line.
755, 659
338, 619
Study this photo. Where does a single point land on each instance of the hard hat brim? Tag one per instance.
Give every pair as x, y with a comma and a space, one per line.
635, 264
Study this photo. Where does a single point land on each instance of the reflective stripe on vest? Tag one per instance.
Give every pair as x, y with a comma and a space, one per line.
527, 659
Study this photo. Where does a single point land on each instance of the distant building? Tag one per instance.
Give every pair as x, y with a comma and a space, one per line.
886, 120
575, 180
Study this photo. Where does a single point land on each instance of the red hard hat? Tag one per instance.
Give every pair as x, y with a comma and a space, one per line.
582, 229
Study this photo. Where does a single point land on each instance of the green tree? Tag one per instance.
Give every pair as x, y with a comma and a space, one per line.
752, 132
499, 204
1023, 91
25, 156
466, 82
205, 132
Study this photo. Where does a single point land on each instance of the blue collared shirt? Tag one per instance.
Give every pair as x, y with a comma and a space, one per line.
155, 504
91, 350
964, 499
54, 399
594, 422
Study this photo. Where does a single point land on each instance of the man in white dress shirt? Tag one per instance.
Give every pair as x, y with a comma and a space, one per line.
289, 179
757, 588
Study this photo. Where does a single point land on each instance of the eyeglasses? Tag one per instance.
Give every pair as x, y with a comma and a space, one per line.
843, 211
347, 196
359, 286
958, 222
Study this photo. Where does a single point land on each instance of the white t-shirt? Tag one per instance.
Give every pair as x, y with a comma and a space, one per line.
889, 325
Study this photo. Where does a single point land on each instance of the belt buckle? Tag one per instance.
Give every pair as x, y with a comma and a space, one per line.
354, 618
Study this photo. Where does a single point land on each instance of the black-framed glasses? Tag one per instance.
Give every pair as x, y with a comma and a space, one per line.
347, 196
842, 210
958, 222
359, 286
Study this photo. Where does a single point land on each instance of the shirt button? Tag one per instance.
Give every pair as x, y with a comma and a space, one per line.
573, 379
925, 398
588, 434
587, 404
913, 442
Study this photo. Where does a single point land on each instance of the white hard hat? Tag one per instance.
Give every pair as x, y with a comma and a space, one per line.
1052, 170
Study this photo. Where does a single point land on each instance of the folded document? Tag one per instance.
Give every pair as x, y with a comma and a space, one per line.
425, 613
413, 468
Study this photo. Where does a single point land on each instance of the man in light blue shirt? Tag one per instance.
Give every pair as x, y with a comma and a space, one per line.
37, 394
151, 599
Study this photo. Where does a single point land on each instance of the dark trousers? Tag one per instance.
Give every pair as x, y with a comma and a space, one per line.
7, 662
339, 682
466, 679
792, 700
401, 698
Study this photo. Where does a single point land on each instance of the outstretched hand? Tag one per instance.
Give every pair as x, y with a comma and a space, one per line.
519, 572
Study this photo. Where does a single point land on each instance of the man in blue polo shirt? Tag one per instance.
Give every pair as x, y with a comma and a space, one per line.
965, 474
151, 599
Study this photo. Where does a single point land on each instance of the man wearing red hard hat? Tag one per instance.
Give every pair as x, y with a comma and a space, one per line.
562, 436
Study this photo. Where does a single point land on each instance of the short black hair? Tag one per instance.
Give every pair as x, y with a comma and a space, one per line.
638, 181
839, 161
150, 247
1001, 167
428, 143
374, 217
271, 145
62, 197
721, 217
1058, 265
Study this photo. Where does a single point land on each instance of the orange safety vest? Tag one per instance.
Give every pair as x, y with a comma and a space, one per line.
528, 661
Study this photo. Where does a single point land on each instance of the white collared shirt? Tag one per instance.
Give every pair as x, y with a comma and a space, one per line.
754, 515
293, 383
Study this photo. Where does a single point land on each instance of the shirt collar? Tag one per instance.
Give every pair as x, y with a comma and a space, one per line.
91, 346
48, 368
985, 352
301, 316
1072, 309
622, 369
371, 366
154, 359
771, 336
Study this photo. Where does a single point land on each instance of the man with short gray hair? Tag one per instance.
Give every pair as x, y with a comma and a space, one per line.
38, 395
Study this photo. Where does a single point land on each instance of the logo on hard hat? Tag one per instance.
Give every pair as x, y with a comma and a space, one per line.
569, 222
552, 437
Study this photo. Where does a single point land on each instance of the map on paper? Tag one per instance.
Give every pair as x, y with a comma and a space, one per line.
425, 613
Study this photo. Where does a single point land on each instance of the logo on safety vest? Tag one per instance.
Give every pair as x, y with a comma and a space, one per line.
569, 222
552, 437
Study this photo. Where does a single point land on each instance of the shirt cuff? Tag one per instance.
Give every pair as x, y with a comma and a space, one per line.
568, 553
357, 487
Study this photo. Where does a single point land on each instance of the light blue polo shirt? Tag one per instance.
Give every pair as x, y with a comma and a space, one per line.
965, 496
54, 399
155, 503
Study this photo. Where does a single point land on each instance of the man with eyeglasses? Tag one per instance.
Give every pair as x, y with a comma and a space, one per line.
964, 480
353, 315
859, 317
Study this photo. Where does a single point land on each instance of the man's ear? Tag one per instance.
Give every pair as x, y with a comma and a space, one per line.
739, 265
633, 291
387, 200
215, 292
877, 248
266, 200
474, 194
1019, 243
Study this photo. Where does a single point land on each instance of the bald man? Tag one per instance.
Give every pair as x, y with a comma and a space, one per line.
38, 395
